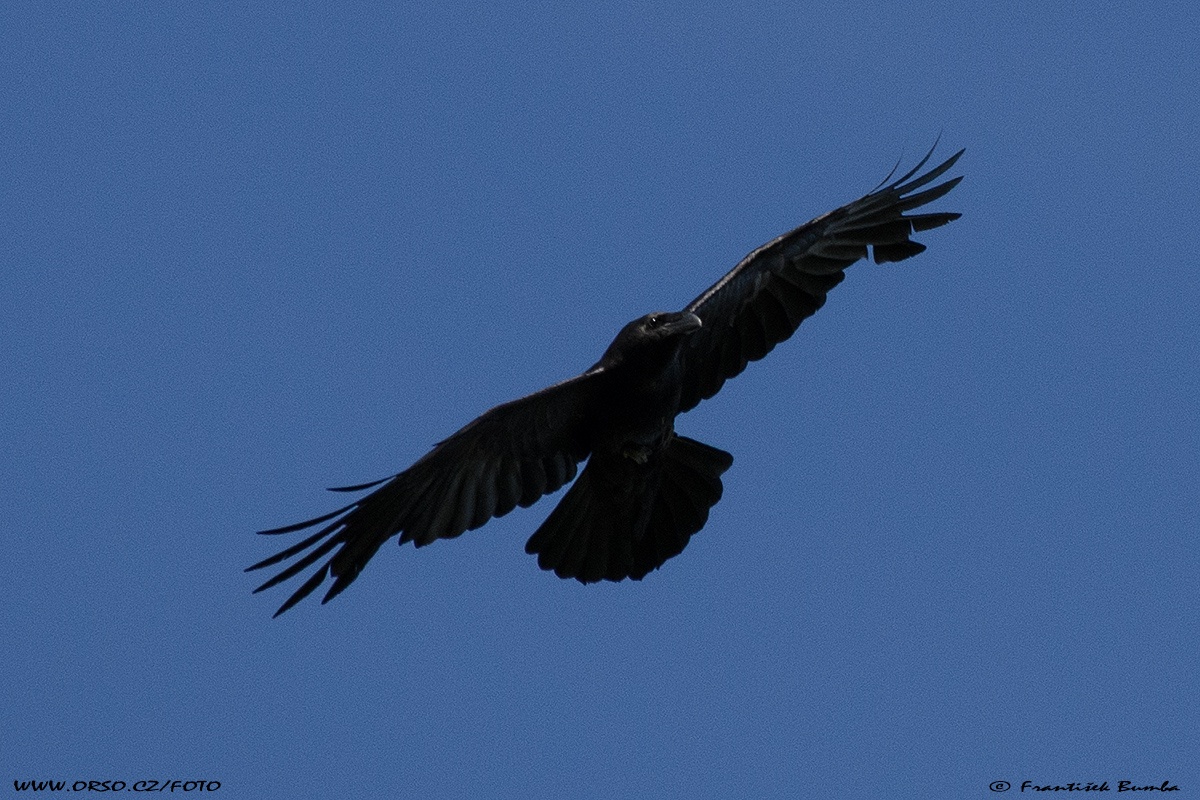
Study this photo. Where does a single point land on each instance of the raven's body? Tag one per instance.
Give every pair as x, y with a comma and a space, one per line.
645, 490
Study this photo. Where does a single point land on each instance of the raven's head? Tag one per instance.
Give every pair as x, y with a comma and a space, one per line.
651, 340
657, 329
662, 325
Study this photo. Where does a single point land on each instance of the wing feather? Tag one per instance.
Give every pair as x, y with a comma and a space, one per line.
511, 455
508, 486
487, 499
763, 299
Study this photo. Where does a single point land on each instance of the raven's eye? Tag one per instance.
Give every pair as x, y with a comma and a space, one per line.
653, 321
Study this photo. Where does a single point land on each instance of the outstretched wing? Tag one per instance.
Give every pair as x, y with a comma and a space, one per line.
762, 300
510, 456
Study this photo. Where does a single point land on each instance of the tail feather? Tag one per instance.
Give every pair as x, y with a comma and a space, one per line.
623, 520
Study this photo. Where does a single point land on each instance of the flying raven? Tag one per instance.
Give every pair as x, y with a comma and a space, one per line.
645, 489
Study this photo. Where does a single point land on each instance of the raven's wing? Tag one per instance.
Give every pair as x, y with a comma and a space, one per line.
762, 300
510, 456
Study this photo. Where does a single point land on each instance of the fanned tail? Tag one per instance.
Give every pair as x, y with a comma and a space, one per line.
623, 519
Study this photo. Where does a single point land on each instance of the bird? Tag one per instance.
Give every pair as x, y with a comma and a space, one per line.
645, 490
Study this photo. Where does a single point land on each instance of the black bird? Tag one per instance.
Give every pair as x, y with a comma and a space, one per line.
645, 489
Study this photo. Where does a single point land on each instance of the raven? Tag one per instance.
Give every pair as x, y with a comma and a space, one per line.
645, 489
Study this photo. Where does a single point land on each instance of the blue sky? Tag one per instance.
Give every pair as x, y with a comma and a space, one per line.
251, 251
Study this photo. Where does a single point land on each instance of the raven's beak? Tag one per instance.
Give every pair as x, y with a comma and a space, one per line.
686, 323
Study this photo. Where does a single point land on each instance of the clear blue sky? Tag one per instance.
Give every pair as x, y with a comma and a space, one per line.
250, 251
